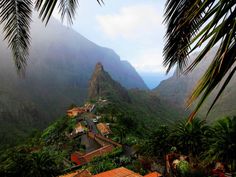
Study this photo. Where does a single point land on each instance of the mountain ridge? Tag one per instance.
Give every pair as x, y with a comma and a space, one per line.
176, 90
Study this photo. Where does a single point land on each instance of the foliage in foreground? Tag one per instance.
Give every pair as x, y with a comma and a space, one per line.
24, 161
202, 143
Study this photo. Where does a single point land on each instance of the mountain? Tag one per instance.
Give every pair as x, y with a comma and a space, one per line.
146, 105
60, 65
176, 90
102, 85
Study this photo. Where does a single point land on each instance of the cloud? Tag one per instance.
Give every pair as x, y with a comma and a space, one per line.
131, 22
149, 60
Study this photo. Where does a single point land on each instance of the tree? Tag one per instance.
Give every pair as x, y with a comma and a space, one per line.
222, 143
157, 143
208, 23
189, 138
15, 15
22, 161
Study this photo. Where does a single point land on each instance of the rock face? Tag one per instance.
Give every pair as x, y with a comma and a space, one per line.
102, 85
176, 90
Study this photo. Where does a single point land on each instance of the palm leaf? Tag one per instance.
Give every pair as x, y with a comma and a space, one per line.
179, 35
16, 17
67, 8
217, 21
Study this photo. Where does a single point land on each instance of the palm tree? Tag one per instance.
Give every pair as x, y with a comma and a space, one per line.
222, 143
189, 138
15, 15
206, 23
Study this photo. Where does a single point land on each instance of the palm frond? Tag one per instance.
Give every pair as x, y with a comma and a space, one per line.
45, 8
217, 21
68, 8
178, 35
16, 17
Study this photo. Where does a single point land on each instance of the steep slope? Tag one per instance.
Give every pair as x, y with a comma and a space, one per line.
60, 65
176, 90
147, 106
102, 85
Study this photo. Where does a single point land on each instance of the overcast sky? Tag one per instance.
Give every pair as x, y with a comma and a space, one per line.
132, 28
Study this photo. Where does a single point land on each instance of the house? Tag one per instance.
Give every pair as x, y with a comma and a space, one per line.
117, 172
81, 159
107, 146
75, 112
79, 128
104, 129
89, 107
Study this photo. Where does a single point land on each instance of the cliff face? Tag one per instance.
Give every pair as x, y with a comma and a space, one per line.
102, 85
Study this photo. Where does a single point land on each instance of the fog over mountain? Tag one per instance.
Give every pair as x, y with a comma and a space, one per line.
60, 65
176, 90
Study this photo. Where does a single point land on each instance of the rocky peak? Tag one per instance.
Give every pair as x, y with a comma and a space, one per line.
102, 85
99, 67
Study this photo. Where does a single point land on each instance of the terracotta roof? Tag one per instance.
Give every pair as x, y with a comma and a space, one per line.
154, 174
79, 128
103, 128
75, 111
118, 172
83, 173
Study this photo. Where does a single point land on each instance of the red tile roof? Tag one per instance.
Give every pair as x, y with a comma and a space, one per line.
118, 172
154, 174
82, 173
103, 128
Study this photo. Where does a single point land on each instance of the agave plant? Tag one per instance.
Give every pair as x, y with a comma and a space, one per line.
223, 143
207, 23
15, 15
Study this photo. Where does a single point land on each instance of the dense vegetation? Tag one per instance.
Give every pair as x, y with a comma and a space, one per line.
48, 153
202, 143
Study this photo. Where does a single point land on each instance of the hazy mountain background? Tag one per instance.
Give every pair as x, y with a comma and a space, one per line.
176, 89
60, 65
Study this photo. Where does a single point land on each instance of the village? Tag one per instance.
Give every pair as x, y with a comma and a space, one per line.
95, 138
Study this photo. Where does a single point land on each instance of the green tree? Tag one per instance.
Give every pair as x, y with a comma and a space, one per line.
189, 138
206, 23
22, 161
157, 143
222, 143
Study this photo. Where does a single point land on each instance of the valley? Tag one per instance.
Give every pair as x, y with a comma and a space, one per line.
72, 107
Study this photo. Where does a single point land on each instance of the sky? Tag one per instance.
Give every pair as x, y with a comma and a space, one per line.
132, 28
